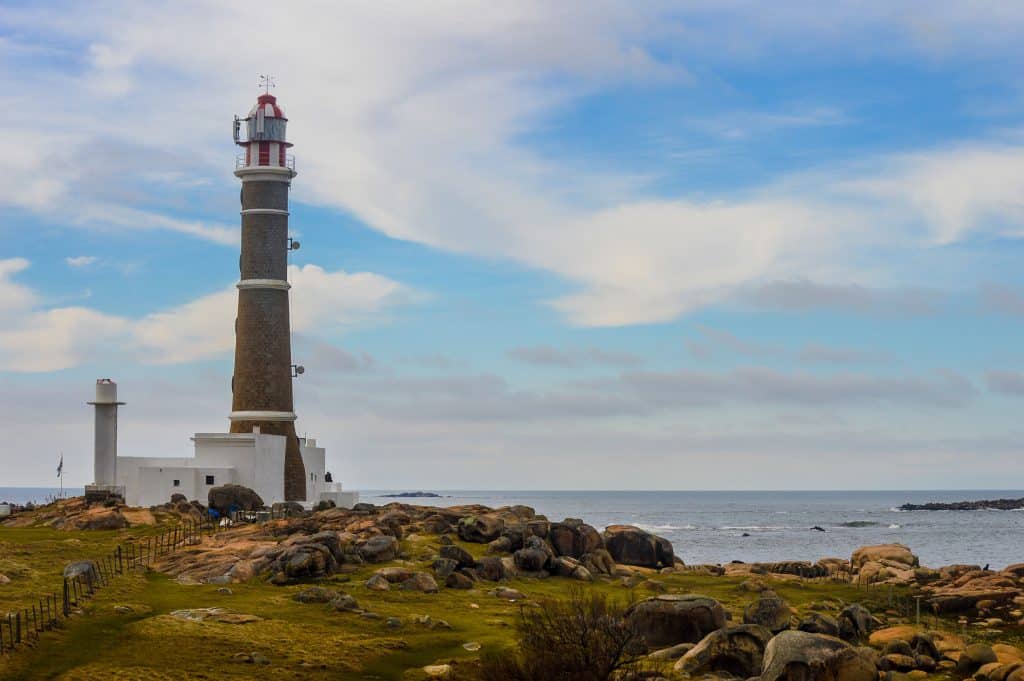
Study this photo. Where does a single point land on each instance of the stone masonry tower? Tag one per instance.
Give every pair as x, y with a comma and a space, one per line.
262, 383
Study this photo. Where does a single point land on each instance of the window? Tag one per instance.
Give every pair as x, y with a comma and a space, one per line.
209, 479
177, 483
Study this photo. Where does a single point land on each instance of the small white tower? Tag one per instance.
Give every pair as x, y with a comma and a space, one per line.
105, 453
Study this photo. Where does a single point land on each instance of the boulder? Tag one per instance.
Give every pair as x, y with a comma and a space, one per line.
974, 657
820, 623
444, 567
231, 497
86, 570
669, 619
855, 622
630, 545
738, 651
344, 602
379, 549
883, 553
599, 562
491, 568
480, 529
565, 566
574, 538
315, 594
803, 656
460, 555
531, 560
769, 611
457, 580
422, 582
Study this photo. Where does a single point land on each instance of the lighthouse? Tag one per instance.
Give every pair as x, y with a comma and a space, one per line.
261, 450
262, 382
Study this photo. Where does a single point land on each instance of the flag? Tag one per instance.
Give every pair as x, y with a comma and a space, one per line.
60, 466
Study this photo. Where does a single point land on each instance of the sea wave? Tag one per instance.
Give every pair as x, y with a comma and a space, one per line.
894, 526
755, 527
667, 527
859, 523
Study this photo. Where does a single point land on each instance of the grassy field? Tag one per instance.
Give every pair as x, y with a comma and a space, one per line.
302, 641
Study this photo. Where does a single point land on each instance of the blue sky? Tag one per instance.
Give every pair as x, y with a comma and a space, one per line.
587, 245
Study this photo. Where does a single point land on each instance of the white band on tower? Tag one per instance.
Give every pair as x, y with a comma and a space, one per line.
277, 284
262, 416
264, 211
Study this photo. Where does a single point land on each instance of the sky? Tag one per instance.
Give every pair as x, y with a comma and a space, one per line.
572, 245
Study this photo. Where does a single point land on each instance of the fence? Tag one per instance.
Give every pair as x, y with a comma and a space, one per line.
138, 552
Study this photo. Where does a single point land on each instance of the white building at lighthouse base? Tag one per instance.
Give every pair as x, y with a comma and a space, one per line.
254, 460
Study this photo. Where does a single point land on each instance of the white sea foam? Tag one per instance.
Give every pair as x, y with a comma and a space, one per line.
894, 526
665, 528
755, 527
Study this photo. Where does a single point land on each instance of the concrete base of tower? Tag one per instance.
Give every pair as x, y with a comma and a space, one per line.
254, 459
293, 469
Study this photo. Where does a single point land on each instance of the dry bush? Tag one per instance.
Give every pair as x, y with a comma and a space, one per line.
580, 638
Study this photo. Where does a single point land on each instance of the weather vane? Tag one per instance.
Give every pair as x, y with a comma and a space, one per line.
267, 82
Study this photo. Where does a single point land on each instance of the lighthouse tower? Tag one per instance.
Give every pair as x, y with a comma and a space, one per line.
262, 382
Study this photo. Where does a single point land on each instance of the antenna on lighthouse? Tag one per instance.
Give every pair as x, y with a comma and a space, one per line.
267, 82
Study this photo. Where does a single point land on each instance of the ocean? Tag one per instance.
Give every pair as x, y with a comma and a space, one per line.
709, 527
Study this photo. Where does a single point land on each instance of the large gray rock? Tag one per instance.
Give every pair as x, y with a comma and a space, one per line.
669, 619
491, 568
480, 529
85, 570
630, 545
819, 623
379, 549
231, 497
855, 622
460, 555
574, 538
738, 651
769, 611
802, 656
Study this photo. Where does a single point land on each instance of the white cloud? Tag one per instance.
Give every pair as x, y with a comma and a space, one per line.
35, 339
80, 260
412, 119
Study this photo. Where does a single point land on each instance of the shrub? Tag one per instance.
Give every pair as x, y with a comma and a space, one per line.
580, 638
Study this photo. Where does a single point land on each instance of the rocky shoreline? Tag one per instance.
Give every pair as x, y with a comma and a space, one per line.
983, 505
505, 553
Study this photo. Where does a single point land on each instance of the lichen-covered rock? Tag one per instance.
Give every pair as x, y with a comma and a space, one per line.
855, 622
738, 651
630, 545
344, 602
820, 623
802, 656
883, 553
669, 619
769, 611
599, 562
231, 497
531, 560
480, 529
444, 567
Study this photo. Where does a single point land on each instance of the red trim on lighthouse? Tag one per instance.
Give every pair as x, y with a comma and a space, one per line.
281, 155
264, 153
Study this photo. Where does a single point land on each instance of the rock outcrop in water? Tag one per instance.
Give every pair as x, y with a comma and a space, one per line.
983, 505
